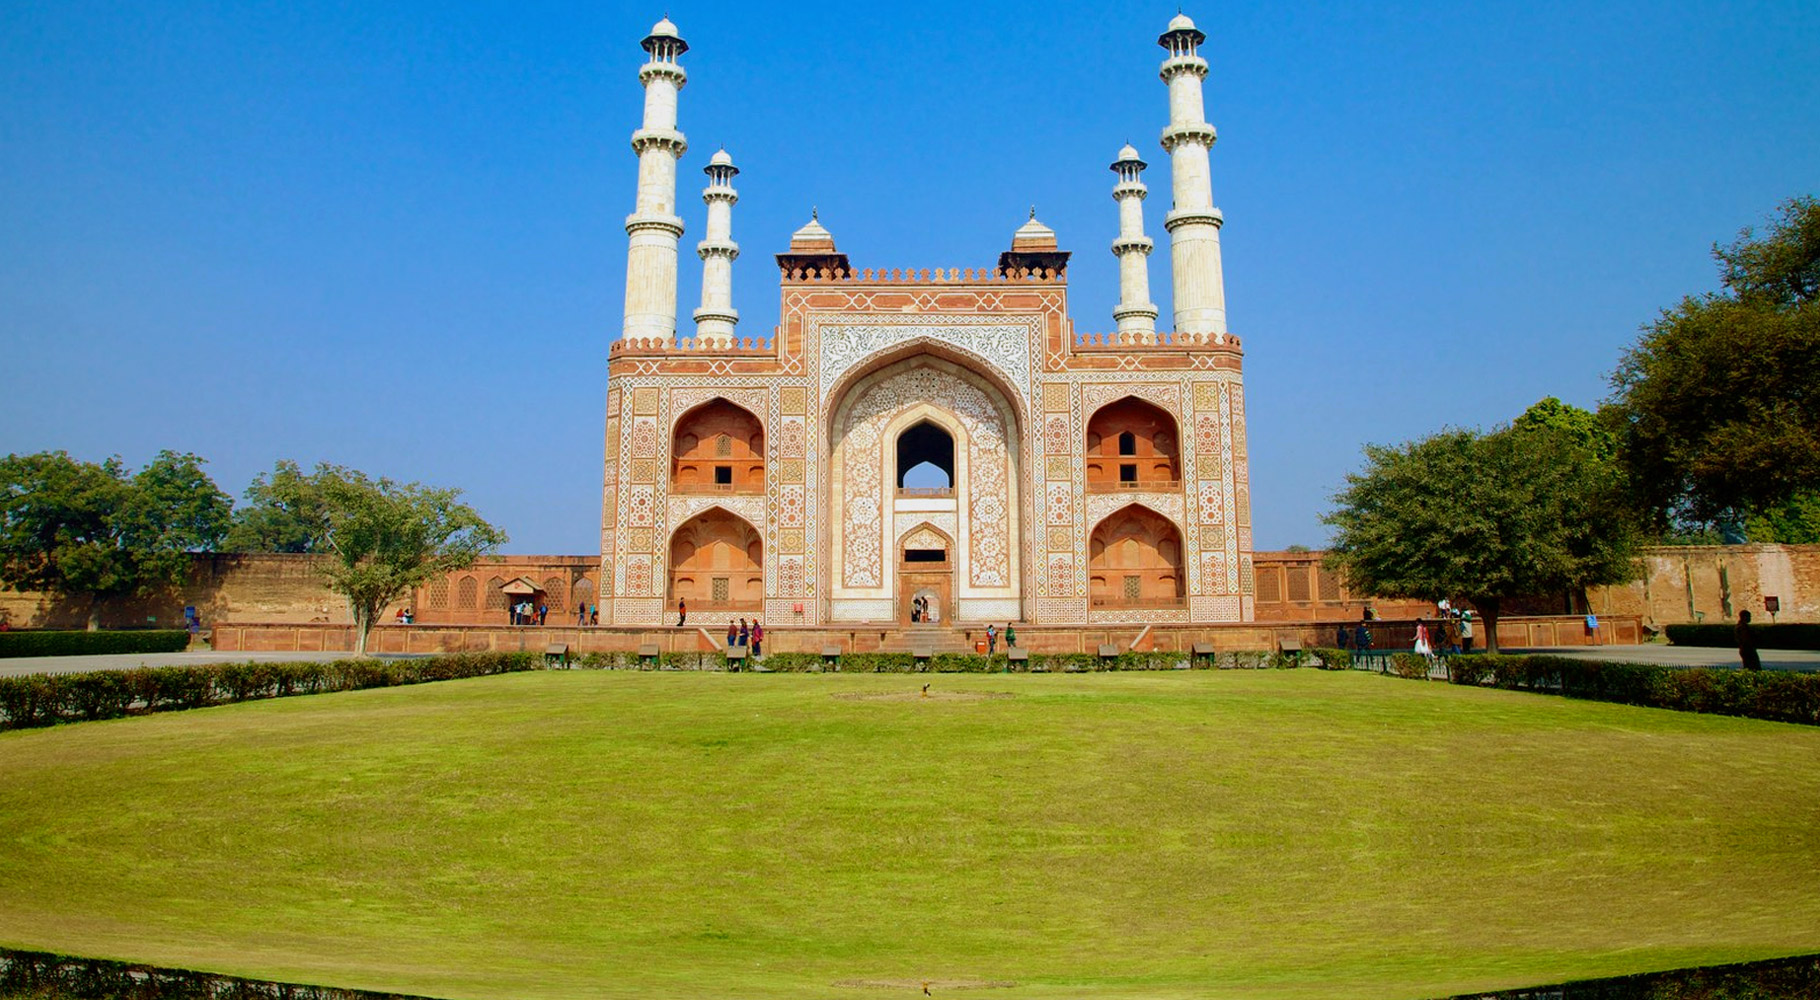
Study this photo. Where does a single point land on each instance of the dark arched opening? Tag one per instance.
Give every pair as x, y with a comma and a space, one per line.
925, 458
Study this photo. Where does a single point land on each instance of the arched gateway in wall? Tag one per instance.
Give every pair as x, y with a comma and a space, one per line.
1066, 477
920, 408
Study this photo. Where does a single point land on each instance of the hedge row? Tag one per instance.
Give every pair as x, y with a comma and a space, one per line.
51, 643
1777, 695
47, 699
948, 663
1794, 636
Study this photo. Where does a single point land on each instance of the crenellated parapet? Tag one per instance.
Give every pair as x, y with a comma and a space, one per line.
1171, 340
928, 276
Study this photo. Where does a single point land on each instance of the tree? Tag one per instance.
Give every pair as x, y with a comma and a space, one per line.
80, 529
1529, 509
1719, 401
386, 538
284, 512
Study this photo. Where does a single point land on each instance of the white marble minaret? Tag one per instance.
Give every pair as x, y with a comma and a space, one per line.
654, 227
1193, 223
1135, 312
715, 320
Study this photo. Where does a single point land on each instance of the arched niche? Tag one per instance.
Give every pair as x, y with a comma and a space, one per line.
925, 458
717, 563
717, 447
1134, 559
1133, 444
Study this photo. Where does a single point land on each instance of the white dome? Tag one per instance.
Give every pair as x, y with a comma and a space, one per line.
1129, 153
1181, 22
720, 159
666, 29
812, 233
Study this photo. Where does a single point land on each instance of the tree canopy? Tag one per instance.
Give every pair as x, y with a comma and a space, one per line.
1531, 508
1719, 401
386, 538
81, 528
284, 512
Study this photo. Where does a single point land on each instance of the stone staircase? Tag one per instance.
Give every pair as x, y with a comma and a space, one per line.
934, 638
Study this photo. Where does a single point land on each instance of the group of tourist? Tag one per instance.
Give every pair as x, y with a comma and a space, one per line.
923, 611
1451, 631
992, 638
587, 614
751, 637
527, 613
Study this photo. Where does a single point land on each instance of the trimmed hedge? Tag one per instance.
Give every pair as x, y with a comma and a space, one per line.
1776, 695
1723, 636
47, 699
34, 642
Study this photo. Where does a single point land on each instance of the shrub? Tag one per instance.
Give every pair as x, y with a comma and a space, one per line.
1779, 696
1409, 665
1333, 659
58, 643
46, 699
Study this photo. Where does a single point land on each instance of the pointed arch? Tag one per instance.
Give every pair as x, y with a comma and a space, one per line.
1133, 444
717, 562
1135, 560
717, 446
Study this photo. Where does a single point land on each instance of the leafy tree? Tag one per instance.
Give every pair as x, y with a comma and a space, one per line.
1719, 401
1529, 509
284, 512
85, 530
386, 538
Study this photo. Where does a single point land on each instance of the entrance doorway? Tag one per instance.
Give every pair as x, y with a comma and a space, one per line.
925, 577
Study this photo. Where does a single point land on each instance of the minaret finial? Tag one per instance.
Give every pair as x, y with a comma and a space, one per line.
1033, 213
815, 214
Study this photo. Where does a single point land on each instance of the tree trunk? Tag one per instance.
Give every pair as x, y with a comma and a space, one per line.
363, 623
1488, 616
94, 613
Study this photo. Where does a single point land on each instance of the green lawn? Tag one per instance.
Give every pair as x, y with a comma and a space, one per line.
1293, 834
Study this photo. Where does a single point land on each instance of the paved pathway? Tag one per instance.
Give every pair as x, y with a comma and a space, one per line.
1684, 656
17, 666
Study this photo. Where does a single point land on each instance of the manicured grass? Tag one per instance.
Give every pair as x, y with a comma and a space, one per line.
1291, 834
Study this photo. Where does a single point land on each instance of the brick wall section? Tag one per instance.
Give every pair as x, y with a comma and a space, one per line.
1683, 583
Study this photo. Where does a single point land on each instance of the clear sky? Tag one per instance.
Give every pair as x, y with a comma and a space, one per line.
389, 235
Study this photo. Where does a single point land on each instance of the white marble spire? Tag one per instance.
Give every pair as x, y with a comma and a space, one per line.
716, 319
1193, 223
1135, 313
654, 228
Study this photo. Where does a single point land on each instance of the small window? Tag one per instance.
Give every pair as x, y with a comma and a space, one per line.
1128, 473
720, 588
723, 475
1134, 588
925, 555
723, 447
1127, 443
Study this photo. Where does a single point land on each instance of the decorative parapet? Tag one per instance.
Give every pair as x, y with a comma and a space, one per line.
1162, 340
927, 276
738, 346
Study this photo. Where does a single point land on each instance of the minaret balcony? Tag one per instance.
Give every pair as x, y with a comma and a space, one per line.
1126, 244
672, 71
1177, 65
1196, 132
1193, 216
666, 139
639, 222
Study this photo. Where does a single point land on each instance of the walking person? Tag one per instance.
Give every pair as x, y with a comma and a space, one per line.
745, 633
1592, 628
682, 611
1345, 636
1010, 637
593, 614
732, 634
991, 639
1747, 644
1423, 649
1361, 642
581, 613
1466, 632
758, 637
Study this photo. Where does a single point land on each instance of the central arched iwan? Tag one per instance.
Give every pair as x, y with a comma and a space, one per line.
717, 563
1134, 560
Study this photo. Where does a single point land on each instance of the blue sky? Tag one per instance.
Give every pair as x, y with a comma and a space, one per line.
390, 235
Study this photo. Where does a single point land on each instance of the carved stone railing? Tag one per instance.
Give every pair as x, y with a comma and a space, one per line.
926, 492
1150, 486
1164, 340
756, 347
932, 276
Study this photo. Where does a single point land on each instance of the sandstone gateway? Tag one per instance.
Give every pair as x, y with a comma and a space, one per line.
1097, 478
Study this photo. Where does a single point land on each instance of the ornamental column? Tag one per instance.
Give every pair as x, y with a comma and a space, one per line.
1193, 224
654, 227
715, 320
1135, 313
